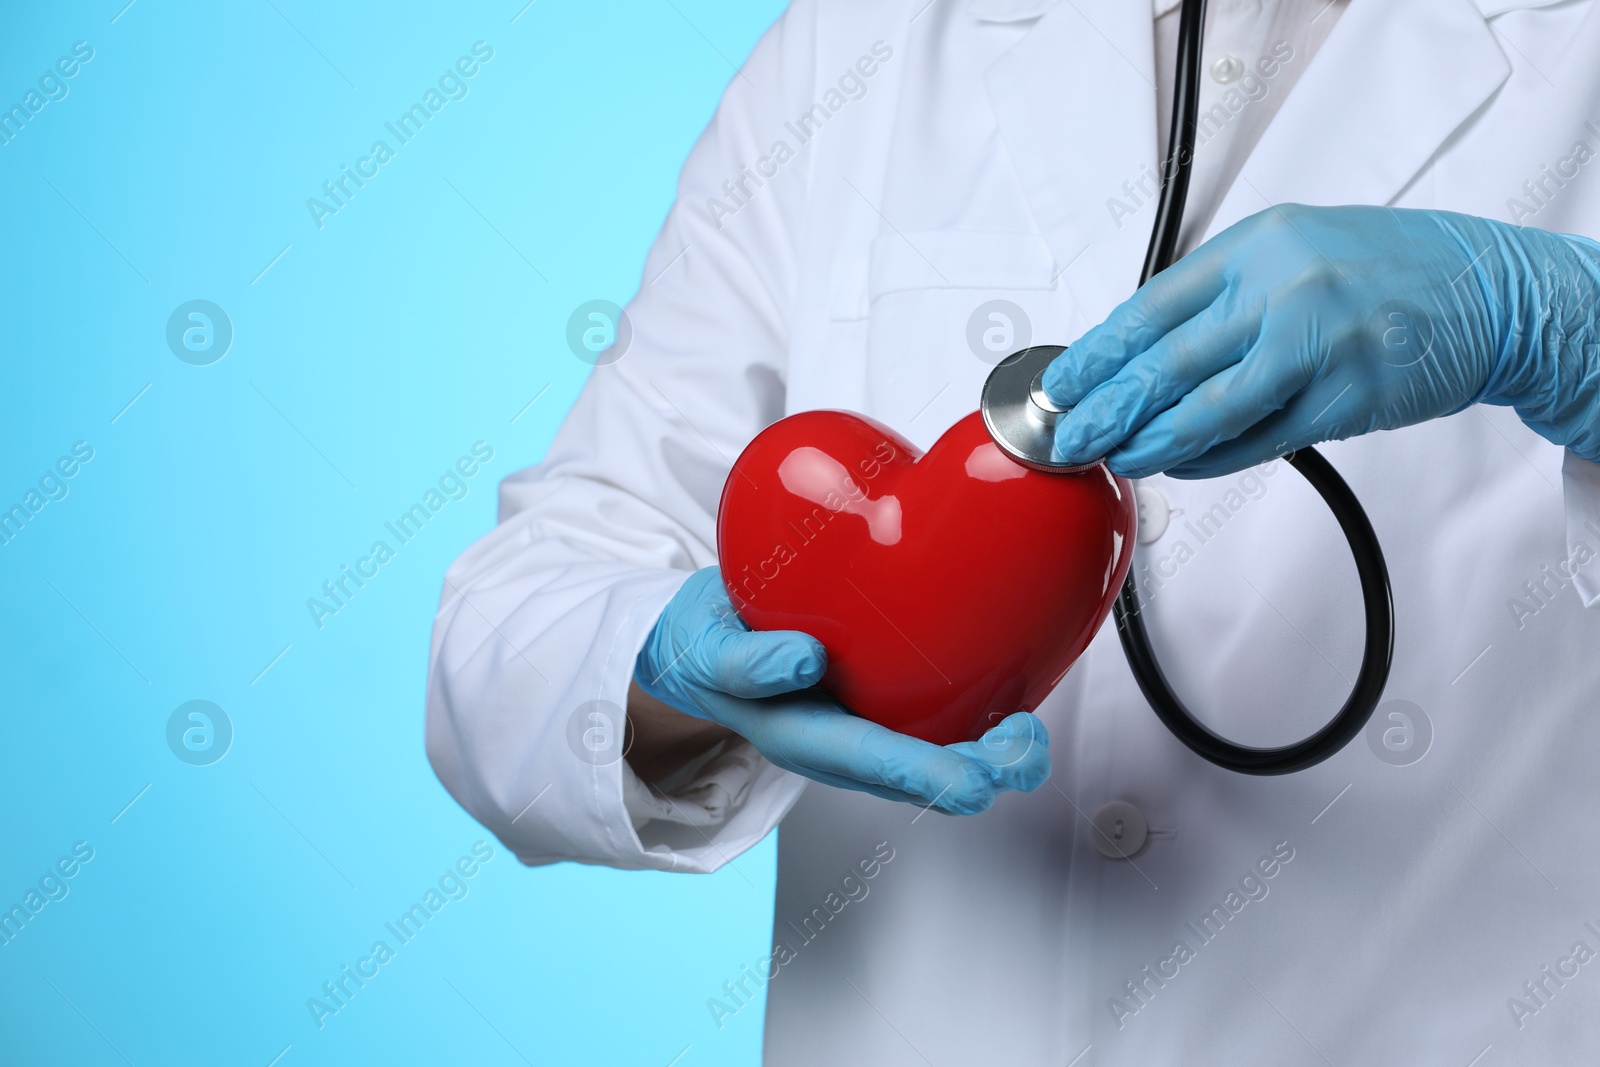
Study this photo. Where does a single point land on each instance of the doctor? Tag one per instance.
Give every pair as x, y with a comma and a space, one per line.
893, 196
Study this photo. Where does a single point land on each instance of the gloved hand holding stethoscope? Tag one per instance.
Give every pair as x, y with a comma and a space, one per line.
1307, 324
1297, 325
1283, 331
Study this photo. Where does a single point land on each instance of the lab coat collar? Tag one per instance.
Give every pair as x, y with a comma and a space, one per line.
1076, 107
1491, 8
1023, 10
1008, 10
1075, 103
1392, 82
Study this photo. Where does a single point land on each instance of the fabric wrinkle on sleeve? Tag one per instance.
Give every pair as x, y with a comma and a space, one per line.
541, 620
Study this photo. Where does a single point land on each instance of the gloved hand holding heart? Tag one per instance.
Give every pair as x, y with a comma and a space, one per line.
950, 589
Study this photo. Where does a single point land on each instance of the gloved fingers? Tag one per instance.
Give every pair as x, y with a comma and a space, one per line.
1263, 443
1309, 418
1159, 307
813, 733
1154, 380
1277, 367
970, 796
814, 736
761, 663
968, 776
840, 782
702, 643
1018, 749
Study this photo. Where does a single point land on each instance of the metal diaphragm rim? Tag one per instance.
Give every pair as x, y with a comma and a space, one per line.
1019, 426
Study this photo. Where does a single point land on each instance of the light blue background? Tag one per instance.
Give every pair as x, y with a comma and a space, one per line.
365, 360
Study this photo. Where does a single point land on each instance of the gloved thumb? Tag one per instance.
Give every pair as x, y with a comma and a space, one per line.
756, 663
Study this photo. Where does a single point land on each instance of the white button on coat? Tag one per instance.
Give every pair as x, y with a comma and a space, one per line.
1119, 830
1154, 513
1225, 70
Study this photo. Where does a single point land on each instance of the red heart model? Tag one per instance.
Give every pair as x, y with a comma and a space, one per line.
950, 589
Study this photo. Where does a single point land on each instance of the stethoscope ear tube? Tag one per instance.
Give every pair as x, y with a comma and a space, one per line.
1022, 418
1376, 657
1376, 596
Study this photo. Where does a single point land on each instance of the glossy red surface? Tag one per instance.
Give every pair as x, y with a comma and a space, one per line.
950, 589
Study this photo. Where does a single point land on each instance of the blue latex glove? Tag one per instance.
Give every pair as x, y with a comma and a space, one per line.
1306, 324
703, 660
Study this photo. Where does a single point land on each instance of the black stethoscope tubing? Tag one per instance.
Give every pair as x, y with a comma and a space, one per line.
1377, 599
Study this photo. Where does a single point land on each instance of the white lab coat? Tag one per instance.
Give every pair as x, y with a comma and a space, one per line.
978, 164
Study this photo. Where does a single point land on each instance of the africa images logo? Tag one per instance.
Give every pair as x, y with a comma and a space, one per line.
453, 884
851, 85
452, 85
1139, 992
53, 87
453, 484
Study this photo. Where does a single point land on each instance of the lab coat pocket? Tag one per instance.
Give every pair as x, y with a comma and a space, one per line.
943, 307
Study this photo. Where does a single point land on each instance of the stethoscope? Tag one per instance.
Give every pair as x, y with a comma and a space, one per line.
1022, 419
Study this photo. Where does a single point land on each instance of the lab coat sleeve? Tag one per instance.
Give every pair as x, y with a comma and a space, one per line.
544, 616
1580, 486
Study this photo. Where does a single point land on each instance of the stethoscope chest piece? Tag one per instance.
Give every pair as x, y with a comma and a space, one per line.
1020, 417
1022, 421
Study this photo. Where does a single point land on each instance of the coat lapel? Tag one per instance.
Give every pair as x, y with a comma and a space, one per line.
1075, 102
1390, 85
